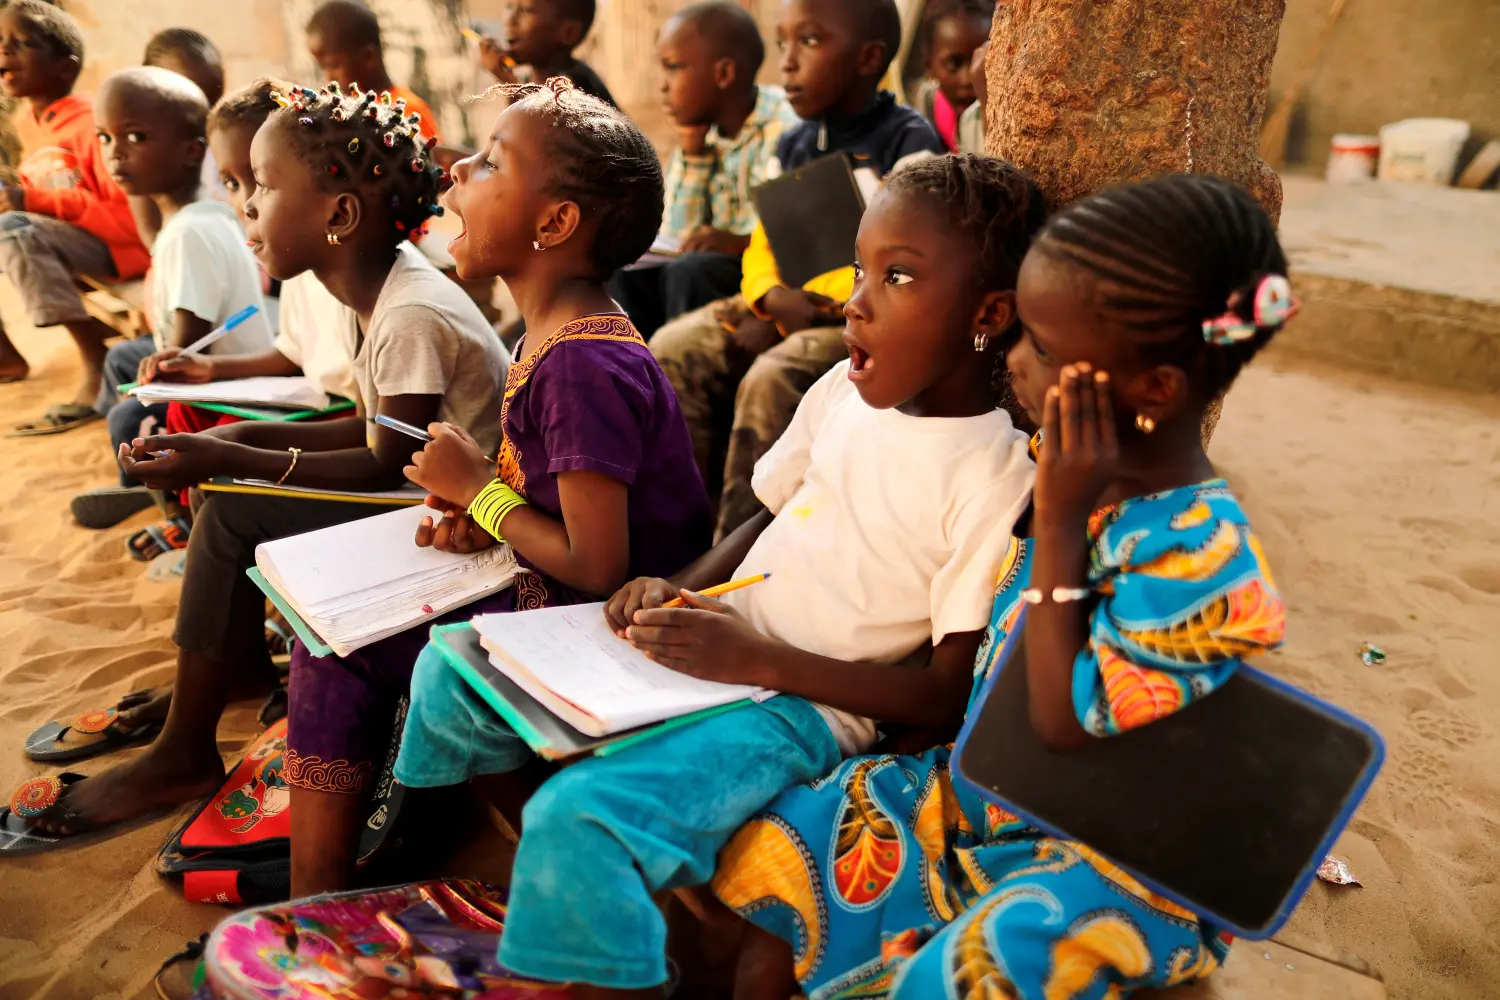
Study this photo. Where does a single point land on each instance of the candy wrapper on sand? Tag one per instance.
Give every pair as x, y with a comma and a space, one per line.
1336, 871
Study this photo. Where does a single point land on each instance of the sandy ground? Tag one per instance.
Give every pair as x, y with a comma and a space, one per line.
1376, 502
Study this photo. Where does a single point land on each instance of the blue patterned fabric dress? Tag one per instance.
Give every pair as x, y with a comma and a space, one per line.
890, 881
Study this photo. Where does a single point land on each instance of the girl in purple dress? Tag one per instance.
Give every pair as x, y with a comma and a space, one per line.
595, 482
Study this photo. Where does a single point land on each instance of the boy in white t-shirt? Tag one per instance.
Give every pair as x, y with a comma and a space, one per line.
891, 501
152, 130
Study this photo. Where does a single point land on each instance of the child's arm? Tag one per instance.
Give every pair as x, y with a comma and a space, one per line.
187, 327
195, 369
95, 205
709, 640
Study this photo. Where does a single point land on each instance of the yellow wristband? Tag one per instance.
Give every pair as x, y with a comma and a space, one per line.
492, 504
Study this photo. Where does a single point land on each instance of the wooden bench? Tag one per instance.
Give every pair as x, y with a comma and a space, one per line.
120, 306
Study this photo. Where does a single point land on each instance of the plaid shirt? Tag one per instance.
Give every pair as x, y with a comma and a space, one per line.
714, 187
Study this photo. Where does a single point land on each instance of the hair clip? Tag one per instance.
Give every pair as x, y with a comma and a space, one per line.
354, 90
298, 106
309, 93
400, 226
281, 99
338, 113
379, 171
333, 168
333, 88
414, 119
354, 145
305, 121
416, 165
373, 111
385, 97
400, 104
390, 140
438, 210
1273, 305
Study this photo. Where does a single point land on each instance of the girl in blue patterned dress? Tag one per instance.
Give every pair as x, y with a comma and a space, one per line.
1139, 306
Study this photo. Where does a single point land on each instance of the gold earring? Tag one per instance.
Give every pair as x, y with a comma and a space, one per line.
333, 239
981, 341
1144, 424
537, 245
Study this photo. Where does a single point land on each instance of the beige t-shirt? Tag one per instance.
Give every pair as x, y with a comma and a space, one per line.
317, 334
427, 337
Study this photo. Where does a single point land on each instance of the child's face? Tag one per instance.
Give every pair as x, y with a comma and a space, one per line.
820, 58
535, 31
950, 62
498, 194
911, 319
340, 65
1061, 324
145, 151
231, 149
29, 65
210, 81
689, 88
287, 215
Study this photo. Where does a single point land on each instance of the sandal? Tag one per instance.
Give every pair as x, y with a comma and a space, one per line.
163, 536
279, 635
107, 507
46, 744
34, 799
58, 419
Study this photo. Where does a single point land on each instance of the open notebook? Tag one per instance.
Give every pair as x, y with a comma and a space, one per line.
294, 392
568, 660
357, 583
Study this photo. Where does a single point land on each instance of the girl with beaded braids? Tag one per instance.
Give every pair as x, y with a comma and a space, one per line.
1147, 588
341, 182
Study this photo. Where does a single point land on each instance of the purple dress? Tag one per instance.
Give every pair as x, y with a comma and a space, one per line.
591, 398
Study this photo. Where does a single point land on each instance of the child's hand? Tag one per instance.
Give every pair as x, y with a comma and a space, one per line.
643, 592
174, 461
707, 239
169, 366
495, 62
454, 531
706, 639
451, 465
755, 336
12, 199
1079, 455
795, 310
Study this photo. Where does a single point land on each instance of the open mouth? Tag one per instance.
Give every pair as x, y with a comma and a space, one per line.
860, 362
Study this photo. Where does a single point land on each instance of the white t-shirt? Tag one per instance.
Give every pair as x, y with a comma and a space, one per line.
889, 530
211, 184
200, 263
427, 337
317, 334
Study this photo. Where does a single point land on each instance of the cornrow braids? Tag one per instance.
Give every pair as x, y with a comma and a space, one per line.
992, 205
250, 105
368, 144
1171, 254
602, 162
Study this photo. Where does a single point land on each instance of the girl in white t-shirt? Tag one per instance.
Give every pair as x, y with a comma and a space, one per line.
890, 504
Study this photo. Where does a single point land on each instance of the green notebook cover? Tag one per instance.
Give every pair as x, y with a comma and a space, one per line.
544, 732
315, 646
262, 413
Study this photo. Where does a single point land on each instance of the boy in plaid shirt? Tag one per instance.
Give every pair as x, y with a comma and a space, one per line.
710, 53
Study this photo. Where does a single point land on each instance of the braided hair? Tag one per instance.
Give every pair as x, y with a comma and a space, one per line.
602, 162
1172, 255
994, 206
249, 106
367, 144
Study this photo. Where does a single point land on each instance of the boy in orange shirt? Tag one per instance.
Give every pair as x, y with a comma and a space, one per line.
344, 38
67, 216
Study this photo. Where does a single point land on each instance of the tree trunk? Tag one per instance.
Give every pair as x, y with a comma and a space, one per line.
1085, 94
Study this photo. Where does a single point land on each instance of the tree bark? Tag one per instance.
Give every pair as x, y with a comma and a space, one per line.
1085, 94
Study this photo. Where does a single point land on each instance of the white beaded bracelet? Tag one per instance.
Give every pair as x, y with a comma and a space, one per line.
1060, 595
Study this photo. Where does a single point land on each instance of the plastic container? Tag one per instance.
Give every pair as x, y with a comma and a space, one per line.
1352, 159
1422, 150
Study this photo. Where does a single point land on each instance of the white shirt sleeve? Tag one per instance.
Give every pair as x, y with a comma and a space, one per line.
295, 320
191, 275
779, 472
964, 588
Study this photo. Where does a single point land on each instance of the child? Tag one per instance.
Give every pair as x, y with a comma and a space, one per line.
190, 54
343, 37
333, 198
833, 55
710, 53
540, 36
952, 32
971, 122
866, 572
1140, 305
595, 470
67, 217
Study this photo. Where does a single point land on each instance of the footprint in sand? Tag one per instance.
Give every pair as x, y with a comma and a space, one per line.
1450, 728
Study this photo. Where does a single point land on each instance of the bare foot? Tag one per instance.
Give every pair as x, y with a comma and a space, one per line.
139, 708
155, 780
13, 368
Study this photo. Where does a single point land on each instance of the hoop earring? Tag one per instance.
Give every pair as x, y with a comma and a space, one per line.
1144, 424
981, 341
537, 245
333, 239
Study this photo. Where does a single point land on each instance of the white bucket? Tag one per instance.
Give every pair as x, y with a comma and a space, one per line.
1422, 150
1352, 159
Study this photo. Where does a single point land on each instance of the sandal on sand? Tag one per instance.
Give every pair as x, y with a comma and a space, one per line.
107, 726
34, 799
107, 507
163, 536
57, 419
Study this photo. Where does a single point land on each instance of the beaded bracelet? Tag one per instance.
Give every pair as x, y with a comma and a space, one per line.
1060, 595
296, 454
492, 504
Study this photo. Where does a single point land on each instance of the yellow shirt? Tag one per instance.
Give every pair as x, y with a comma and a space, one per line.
761, 275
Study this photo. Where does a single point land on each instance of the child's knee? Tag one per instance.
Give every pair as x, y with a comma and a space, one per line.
565, 800
436, 687
16, 226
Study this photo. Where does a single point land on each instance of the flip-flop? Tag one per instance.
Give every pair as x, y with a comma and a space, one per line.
46, 798
107, 507
163, 536
57, 420
108, 725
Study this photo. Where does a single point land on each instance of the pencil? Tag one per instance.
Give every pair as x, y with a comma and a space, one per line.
723, 588
470, 34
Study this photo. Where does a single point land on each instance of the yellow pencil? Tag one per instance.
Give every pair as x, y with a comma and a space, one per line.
723, 588
470, 34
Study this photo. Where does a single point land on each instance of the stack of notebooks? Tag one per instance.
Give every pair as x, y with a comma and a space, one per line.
293, 397
568, 685
345, 587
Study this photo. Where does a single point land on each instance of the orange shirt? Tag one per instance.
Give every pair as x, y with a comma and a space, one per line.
414, 104
64, 175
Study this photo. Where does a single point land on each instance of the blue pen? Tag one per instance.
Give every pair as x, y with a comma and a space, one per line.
401, 427
214, 336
